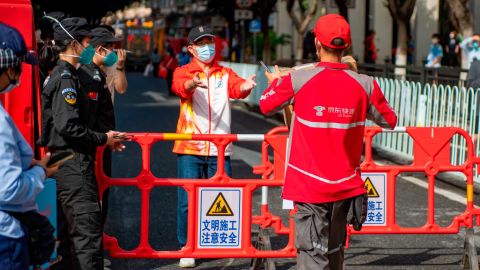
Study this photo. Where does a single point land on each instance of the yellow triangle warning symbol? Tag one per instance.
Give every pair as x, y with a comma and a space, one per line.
371, 191
220, 207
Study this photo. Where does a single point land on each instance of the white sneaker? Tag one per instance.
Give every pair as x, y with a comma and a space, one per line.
187, 263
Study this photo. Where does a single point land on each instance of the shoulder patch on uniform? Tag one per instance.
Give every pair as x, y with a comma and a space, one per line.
46, 81
70, 95
96, 76
66, 74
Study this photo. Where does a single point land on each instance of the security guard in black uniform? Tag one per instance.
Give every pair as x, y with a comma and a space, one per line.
66, 127
93, 80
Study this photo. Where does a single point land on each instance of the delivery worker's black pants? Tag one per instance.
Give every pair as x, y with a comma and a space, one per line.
79, 217
320, 234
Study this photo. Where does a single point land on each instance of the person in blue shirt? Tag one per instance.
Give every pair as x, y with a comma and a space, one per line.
183, 57
21, 176
434, 58
471, 48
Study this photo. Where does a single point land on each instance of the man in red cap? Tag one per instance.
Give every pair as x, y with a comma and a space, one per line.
330, 106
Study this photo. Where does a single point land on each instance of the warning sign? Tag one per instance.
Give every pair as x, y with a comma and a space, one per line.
371, 191
220, 207
220, 212
376, 185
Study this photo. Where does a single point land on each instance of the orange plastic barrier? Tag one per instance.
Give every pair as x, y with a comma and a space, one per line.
431, 156
146, 181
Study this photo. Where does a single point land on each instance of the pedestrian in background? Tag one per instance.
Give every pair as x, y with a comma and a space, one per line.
167, 66
65, 119
204, 88
325, 145
21, 176
452, 49
183, 57
434, 57
370, 53
155, 59
471, 48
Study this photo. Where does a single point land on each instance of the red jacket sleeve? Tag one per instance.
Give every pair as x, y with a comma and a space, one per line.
180, 76
277, 96
379, 110
234, 83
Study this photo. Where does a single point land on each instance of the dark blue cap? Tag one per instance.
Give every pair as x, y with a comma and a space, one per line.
13, 50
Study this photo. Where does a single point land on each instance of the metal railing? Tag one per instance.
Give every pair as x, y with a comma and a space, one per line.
443, 75
430, 105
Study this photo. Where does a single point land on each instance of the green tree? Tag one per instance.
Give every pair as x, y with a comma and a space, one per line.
308, 9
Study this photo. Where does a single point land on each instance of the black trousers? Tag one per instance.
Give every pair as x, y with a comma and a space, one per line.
320, 234
79, 225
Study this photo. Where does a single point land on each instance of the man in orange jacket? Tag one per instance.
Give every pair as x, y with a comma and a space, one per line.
205, 88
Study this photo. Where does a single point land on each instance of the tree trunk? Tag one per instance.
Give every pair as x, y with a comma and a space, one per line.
301, 24
401, 52
342, 8
299, 51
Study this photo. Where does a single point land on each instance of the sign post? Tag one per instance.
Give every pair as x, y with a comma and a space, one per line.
255, 27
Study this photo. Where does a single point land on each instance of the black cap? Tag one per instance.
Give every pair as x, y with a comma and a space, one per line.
77, 27
101, 36
199, 32
13, 50
46, 24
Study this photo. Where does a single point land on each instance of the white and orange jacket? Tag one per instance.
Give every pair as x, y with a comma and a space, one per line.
205, 111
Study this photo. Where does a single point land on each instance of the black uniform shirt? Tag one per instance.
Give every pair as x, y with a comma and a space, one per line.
65, 113
101, 115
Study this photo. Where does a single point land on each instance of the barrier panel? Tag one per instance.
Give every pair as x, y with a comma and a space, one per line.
219, 200
431, 151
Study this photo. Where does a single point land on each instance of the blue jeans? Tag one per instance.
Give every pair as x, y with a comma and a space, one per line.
13, 253
193, 167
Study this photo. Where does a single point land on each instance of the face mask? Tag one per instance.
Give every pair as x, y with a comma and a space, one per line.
110, 59
86, 56
475, 45
206, 53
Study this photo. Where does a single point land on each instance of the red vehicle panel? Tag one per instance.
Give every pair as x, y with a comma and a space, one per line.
21, 102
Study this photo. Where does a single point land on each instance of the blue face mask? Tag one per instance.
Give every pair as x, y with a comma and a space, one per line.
475, 45
206, 53
86, 56
110, 59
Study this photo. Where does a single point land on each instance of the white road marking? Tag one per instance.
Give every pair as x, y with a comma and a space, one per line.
154, 95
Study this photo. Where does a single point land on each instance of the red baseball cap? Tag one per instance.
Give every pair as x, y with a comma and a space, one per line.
330, 27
